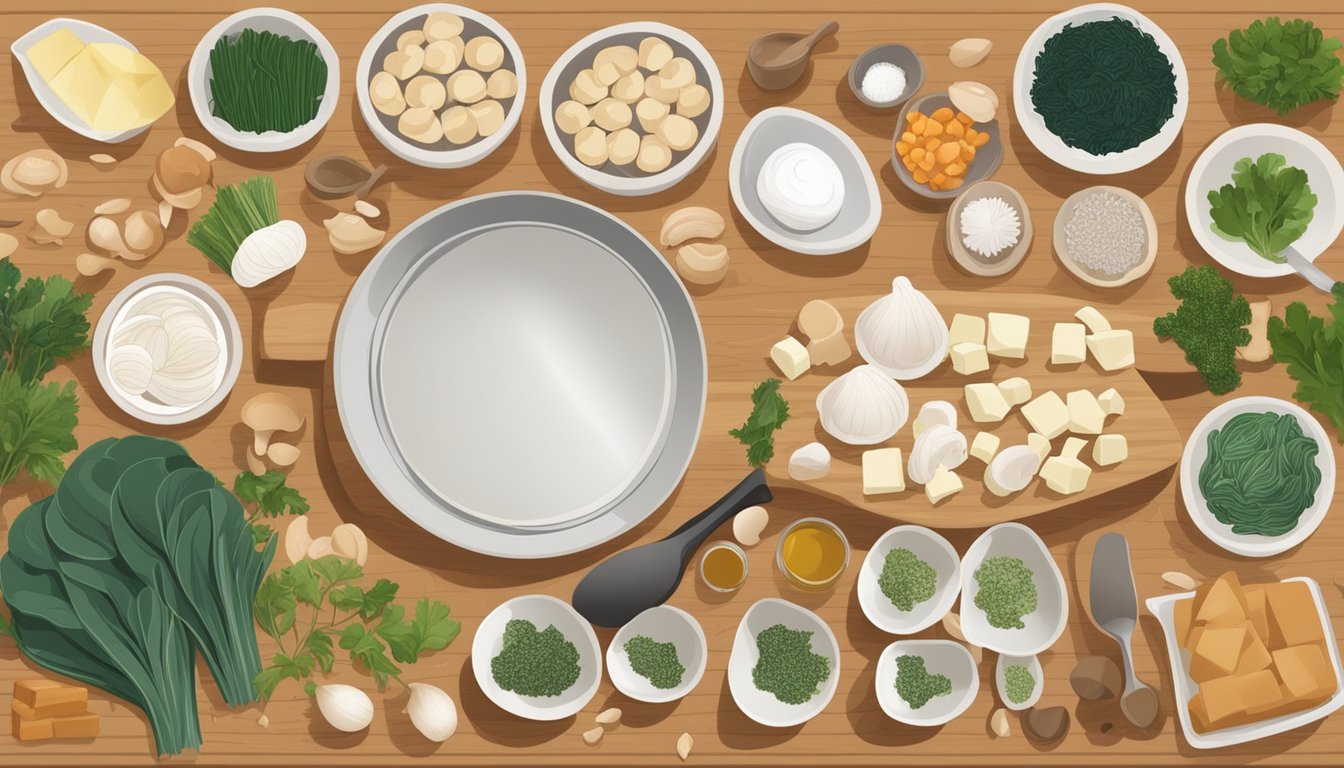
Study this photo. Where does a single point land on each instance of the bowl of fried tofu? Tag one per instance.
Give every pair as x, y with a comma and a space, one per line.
1250, 660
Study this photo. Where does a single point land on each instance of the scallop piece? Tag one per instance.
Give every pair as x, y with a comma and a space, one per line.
409, 38
678, 72
590, 146
623, 146
484, 53
130, 367
420, 124
426, 91
489, 116
466, 86
502, 84
442, 25
385, 93
678, 132
623, 57
658, 88
459, 124
586, 89
611, 114
606, 74
403, 64
654, 155
651, 113
693, 100
654, 53
572, 117
629, 88
443, 56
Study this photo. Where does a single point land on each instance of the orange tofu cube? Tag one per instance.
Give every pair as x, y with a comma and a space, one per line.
1217, 653
46, 696
1224, 605
1293, 618
30, 730
1254, 656
955, 128
1306, 671
913, 116
1183, 618
1199, 714
909, 138
932, 128
1261, 692
1257, 610
1223, 699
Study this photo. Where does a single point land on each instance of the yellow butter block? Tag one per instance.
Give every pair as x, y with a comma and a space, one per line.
53, 52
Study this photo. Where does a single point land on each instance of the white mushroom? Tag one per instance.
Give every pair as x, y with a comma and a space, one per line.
678, 132
629, 88
104, 234
623, 57
442, 25
283, 454
590, 146
611, 114
349, 233
405, 62
654, 52
268, 413
502, 84
650, 113
657, 87
34, 172
143, 235
623, 146
572, 117
459, 124
678, 73
443, 56
420, 124
410, 37
654, 156
50, 228
693, 100
89, 264
586, 89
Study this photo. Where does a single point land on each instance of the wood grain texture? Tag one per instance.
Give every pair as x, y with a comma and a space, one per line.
751, 310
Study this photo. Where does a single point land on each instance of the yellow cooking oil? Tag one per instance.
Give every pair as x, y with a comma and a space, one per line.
813, 553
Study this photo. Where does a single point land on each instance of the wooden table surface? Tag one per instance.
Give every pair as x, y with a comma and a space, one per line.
749, 311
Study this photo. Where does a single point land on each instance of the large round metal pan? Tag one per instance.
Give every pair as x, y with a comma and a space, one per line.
521, 374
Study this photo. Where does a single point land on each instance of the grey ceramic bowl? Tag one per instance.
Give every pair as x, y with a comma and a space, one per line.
972, 262
987, 158
891, 53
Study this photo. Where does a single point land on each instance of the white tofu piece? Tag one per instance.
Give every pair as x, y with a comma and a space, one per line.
1065, 475
986, 403
1111, 402
969, 357
1039, 443
984, 446
1016, 390
883, 471
1068, 344
945, 483
1007, 335
1093, 319
1110, 449
966, 329
1073, 448
1086, 416
1047, 414
790, 356
1113, 350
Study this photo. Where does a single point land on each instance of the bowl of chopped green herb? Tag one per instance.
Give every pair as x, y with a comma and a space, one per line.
926, 683
785, 664
535, 657
1254, 169
659, 656
1019, 680
909, 580
264, 80
1012, 594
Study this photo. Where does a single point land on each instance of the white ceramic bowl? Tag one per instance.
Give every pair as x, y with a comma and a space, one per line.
927, 546
1033, 665
771, 129
941, 657
663, 624
281, 22
611, 178
1164, 606
382, 42
1054, 148
759, 705
226, 332
1044, 625
1213, 169
1197, 449
543, 611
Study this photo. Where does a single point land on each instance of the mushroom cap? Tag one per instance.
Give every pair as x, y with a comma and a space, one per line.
273, 412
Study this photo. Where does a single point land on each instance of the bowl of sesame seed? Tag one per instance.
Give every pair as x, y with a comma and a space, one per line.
1105, 236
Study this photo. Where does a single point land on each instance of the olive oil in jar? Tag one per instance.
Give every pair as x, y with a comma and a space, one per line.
813, 553
723, 566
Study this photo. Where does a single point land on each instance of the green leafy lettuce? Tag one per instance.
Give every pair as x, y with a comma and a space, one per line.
1208, 325
1268, 205
769, 411
1280, 65
1313, 349
267, 496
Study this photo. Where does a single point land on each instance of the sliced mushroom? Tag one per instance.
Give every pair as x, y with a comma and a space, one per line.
181, 169
143, 235
50, 228
268, 413
113, 207
88, 264
283, 454
34, 172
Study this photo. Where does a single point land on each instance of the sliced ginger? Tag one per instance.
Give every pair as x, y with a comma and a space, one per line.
938, 148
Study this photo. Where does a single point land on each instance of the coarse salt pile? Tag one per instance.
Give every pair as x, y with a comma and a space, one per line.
989, 226
1106, 234
883, 82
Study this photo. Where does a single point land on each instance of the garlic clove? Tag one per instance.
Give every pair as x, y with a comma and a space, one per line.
102, 160
254, 464
143, 234
977, 100
268, 252
694, 222
50, 227
351, 234
863, 407
702, 263
432, 712
609, 716
349, 541
321, 547
87, 264
344, 707
811, 462
131, 368
969, 51
902, 334
283, 454
297, 538
113, 207
748, 524
104, 234
8, 244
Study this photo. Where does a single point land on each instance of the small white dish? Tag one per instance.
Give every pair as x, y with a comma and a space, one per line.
663, 624
384, 40
1164, 606
941, 657
543, 611
1053, 147
225, 329
1197, 450
775, 127
1213, 168
629, 180
1044, 625
53, 104
927, 546
281, 22
762, 706
1033, 665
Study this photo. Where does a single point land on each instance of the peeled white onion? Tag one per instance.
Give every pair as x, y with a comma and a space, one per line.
131, 368
166, 349
268, 252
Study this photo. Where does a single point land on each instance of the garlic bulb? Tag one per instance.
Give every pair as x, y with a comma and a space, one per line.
345, 707
902, 333
938, 445
432, 712
1012, 469
268, 252
863, 407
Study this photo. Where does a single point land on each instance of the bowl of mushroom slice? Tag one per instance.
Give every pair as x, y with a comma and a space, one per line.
634, 108
441, 86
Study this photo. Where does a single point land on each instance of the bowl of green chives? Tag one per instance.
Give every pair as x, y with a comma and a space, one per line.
264, 80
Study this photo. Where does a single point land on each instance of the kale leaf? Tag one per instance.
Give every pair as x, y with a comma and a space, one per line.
1268, 205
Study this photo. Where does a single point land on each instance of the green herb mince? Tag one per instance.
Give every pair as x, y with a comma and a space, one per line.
787, 667
1018, 683
657, 662
1007, 592
906, 580
533, 663
915, 685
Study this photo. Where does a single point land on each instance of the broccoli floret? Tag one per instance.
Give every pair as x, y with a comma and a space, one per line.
1208, 325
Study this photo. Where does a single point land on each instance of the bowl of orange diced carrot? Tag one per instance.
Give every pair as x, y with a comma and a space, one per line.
937, 151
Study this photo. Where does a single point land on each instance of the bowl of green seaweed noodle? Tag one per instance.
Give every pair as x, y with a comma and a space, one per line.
535, 657
1100, 89
1258, 475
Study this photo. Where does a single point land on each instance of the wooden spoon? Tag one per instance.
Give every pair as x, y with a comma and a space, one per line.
777, 60
331, 176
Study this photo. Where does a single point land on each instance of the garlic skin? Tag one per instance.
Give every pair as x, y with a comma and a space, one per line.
938, 445
268, 252
344, 707
811, 462
863, 407
902, 334
432, 712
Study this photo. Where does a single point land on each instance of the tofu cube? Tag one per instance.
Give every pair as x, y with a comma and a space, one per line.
1257, 610
1223, 605
790, 356
1293, 618
1039, 443
969, 357
883, 471
945, 483
966, 329
1064, 475
1094, 320
1016, 390
1254, 656
1047, 414
1073, 448
1068, 344
984, 446
1085, 414
1217, 652
1111, 402
1260, 691
1306, 671
986, 403
1113, 350
1221, 703
1007, 335
1110, 449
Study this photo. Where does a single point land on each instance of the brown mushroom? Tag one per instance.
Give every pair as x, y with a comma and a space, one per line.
1045, 725
268, 413
1095, 678
181, 169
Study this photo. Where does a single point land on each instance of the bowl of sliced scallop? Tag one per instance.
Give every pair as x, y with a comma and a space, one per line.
634, 108
441, 85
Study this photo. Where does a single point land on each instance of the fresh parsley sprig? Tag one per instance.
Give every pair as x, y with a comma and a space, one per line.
1313, 349
769, 411
41, 322
267, 496
1282, 65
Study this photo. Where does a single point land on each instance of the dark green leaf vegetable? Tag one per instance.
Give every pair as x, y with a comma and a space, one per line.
41, 322
532, 663
1260, 473
267, 496
261, 81
1007, 591
656, 662
916, 685
906, 580
769, 411
1314, 352
1282, 65
1268, 205
786, 665
138, 561
1208, 326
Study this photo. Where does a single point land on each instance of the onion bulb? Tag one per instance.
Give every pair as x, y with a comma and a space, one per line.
345, 707
268, 252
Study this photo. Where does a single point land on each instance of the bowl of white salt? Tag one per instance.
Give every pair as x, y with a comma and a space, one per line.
886, 76
989, 229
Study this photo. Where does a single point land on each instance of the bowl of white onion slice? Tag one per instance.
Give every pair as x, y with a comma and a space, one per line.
167, 350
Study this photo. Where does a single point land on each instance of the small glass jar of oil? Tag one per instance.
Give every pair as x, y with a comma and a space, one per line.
723, 567
813, 552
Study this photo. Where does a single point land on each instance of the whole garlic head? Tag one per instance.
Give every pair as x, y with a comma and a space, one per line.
344, 707
863, 407
902, 334
432, 712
